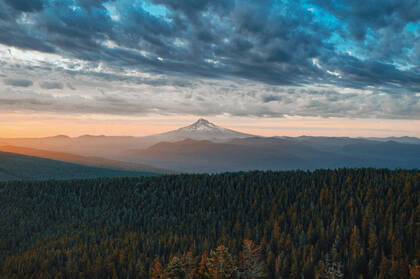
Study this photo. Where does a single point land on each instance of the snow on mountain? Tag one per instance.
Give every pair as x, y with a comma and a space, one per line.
201, 125
200, 130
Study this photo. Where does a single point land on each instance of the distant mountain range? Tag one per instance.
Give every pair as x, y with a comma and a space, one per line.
111, 146
274, 154
206, 147
411, 140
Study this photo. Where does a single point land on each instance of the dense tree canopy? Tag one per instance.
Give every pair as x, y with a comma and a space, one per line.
347, 223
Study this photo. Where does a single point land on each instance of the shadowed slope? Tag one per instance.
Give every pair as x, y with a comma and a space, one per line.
83, 160
206, 156
20, 167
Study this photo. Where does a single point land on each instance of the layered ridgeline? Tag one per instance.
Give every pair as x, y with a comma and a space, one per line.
206, 147
21, 167
113, 146
359, 223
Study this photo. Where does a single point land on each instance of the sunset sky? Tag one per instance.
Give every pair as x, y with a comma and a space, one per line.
119, 67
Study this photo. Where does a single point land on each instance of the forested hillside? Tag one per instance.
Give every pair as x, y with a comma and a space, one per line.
348, 223
20, 167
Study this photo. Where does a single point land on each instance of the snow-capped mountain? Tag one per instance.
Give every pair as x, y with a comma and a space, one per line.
200, 130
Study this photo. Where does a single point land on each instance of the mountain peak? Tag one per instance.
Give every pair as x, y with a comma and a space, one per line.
202, 123
202, 129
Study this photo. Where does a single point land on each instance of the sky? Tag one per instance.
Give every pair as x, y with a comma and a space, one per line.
119, 67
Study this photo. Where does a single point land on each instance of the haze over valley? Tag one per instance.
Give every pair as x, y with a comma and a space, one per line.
206, 147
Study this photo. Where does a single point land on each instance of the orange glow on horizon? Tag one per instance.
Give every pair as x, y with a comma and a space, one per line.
43, 125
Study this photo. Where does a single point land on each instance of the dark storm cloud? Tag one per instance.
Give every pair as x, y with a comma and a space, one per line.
17, 33
25, 5
18, 82
268, 41
346, 44
362, 15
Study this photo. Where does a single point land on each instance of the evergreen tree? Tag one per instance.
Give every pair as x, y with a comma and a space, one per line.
250, 262
175, 269
220, 264
414, 271
158, 271
189, 264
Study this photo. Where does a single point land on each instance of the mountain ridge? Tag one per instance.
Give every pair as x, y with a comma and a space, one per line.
204, 125
203, 146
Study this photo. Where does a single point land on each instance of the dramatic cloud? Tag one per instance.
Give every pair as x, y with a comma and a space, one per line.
242, 57
25, 5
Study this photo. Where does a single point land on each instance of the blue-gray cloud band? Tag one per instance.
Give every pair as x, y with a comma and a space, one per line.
343, 43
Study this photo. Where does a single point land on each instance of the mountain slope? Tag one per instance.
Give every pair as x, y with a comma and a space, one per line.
83, 160
330, 144
206, 156
255, 153
20, 167
98, 146
388, 154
